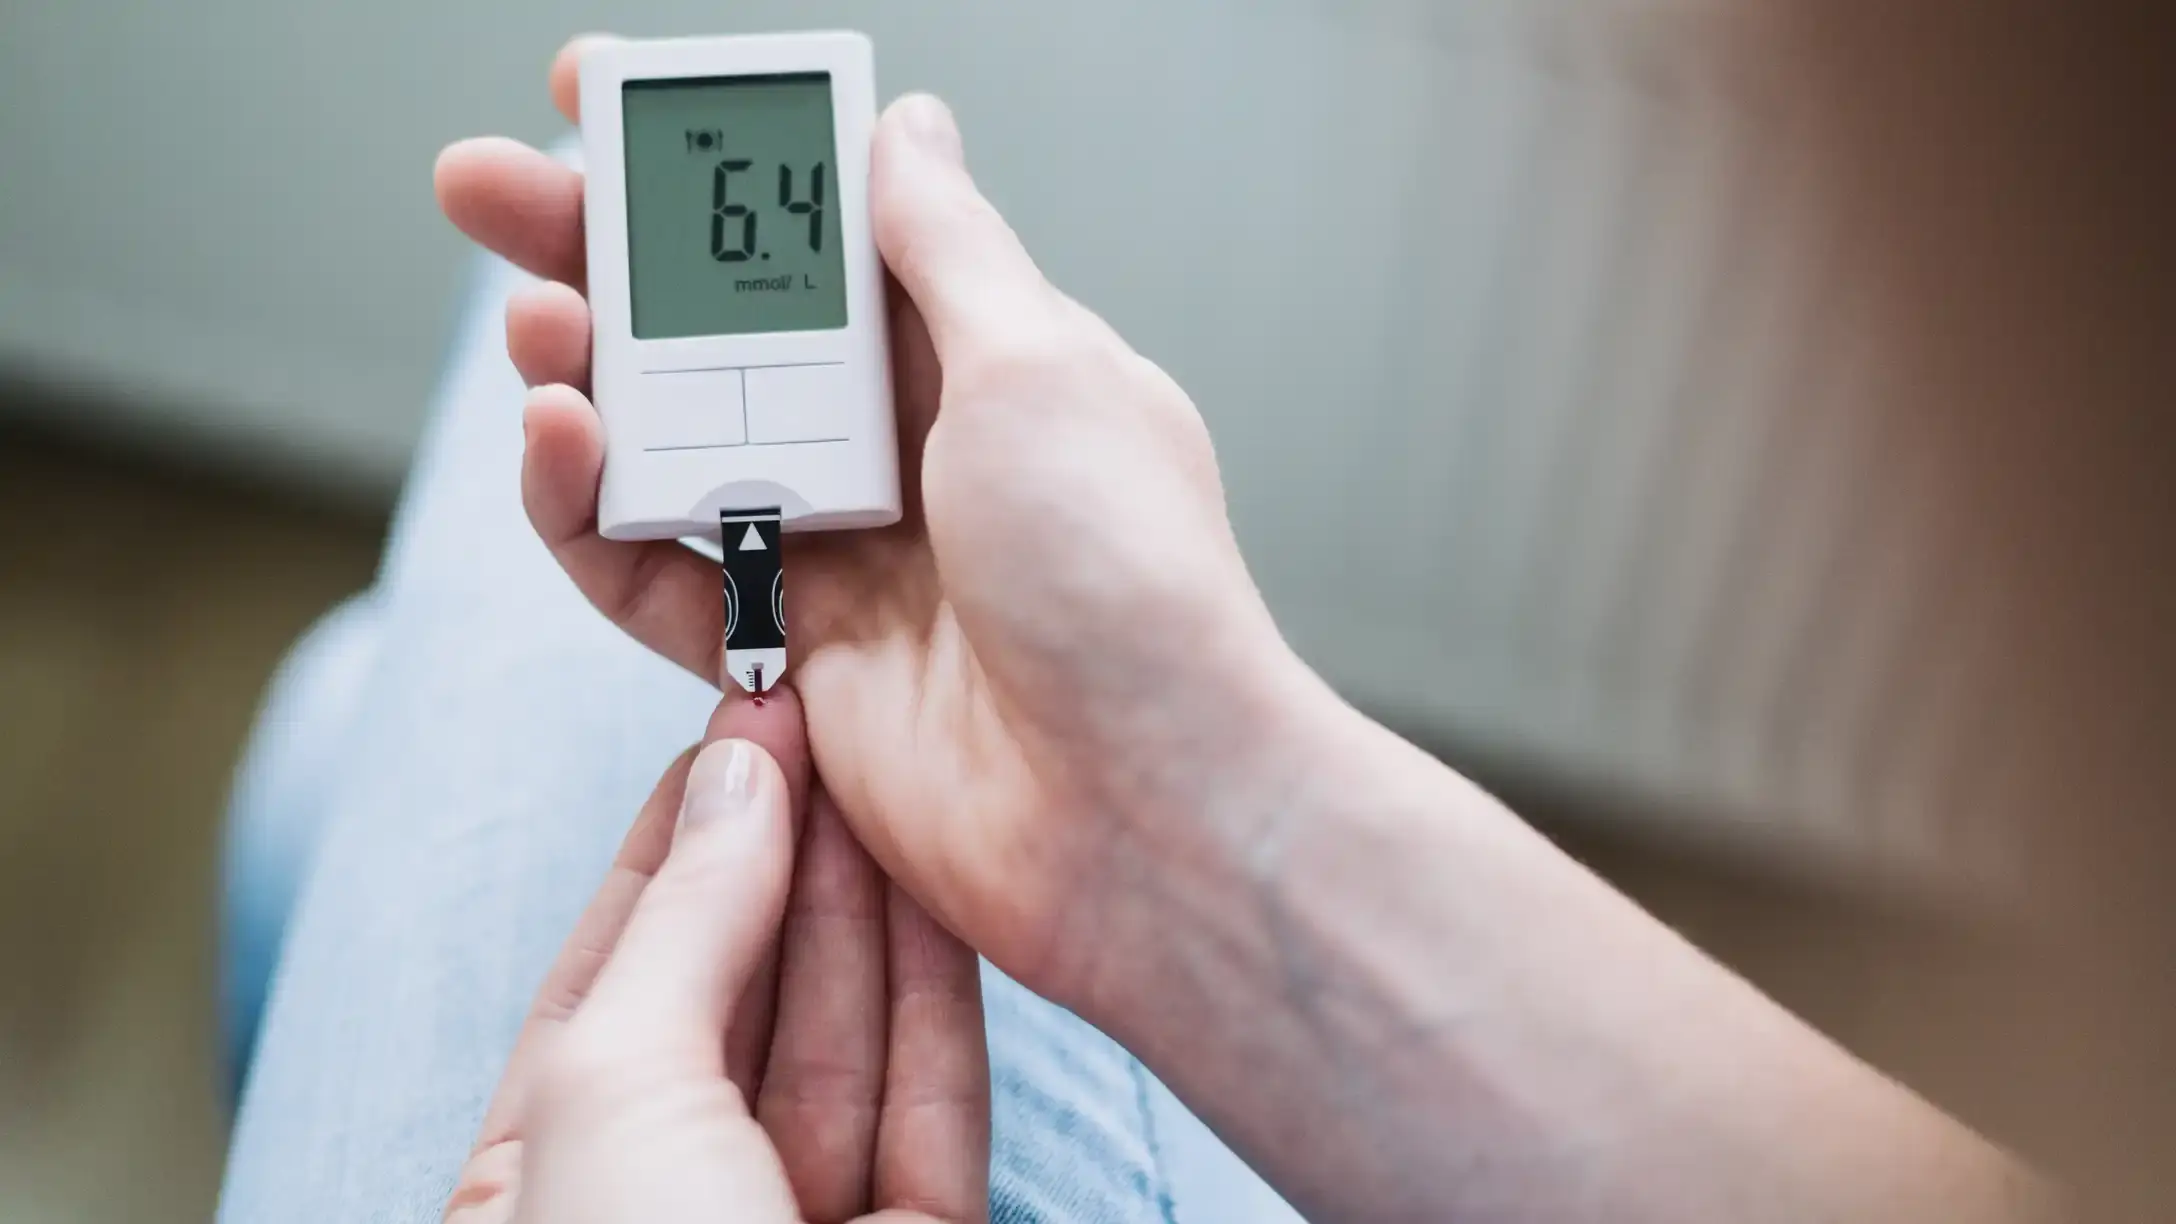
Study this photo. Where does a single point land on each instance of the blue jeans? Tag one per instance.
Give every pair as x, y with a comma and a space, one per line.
436, 785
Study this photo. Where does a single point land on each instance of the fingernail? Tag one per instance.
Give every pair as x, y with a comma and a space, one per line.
931, 125
721, 786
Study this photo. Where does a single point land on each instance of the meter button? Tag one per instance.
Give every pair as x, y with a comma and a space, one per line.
692, 410
798, 404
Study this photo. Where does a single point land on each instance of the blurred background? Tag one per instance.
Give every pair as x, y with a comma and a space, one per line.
1739, 433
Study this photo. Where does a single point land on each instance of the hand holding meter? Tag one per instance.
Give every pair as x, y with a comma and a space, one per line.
740, 361
1075, 594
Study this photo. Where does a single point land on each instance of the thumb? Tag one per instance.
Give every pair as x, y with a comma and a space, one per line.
954, 255
704, 923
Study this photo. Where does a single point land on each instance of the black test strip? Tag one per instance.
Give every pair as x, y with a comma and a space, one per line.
755, 579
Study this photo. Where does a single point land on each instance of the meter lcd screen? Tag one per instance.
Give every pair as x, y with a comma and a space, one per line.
733, 206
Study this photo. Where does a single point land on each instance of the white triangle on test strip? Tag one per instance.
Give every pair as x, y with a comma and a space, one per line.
753, 541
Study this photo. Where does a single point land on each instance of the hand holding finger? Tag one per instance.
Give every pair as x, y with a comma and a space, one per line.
777, 727
631, 1116
707, 918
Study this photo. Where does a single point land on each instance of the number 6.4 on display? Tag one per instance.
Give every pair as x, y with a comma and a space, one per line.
733, 226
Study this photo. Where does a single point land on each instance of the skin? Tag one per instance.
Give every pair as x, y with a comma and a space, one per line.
1379, 985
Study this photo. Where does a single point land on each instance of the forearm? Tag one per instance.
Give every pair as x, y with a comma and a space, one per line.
1401, 1003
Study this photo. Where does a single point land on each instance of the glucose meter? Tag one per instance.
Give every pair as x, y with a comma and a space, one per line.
740, 361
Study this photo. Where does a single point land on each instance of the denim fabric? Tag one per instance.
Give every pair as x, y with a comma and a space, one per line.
438, 783
277, 809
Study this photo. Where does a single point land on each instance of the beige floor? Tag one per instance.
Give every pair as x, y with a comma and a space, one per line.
140, 613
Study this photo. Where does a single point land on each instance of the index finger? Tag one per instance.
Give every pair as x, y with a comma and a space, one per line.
517, 202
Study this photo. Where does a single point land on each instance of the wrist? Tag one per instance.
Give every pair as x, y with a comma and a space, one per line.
1242, 768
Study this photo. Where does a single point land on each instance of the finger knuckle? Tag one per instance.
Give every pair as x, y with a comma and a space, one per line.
582, 1062
687, 889
639, 600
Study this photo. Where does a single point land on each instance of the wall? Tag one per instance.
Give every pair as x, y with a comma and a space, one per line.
1568, 417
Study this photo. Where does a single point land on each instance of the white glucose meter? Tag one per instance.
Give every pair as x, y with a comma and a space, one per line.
740, 360
740, 356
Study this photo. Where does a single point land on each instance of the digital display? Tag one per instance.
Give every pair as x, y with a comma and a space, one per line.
732, 206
